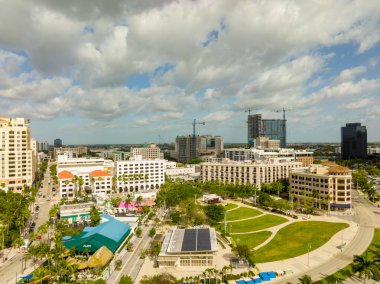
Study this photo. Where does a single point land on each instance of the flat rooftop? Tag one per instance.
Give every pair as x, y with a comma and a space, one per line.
189, 240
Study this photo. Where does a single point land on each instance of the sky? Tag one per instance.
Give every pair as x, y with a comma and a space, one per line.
95, 71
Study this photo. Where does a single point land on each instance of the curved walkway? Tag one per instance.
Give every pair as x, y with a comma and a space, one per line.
331, 257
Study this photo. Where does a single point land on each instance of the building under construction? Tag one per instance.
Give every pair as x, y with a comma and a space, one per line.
274, 129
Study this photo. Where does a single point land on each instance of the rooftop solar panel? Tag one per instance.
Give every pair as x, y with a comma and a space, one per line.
203, 240
189, 240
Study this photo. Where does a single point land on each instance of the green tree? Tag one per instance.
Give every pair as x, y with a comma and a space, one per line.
243, 251
175, 217
138, 232
215, 213
163, 278
365, 267
95, 217
125, 279
306, 279
152, 232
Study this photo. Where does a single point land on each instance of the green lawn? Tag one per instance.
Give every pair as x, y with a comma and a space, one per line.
230, 206
297, 236
346, 272
242, 213
252, 240
256, 224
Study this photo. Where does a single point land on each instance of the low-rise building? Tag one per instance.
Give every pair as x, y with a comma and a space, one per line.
150, 152
188, 247
76, 212
253, 172
74, 174
259, 154
172, 169
328, 184
76, 151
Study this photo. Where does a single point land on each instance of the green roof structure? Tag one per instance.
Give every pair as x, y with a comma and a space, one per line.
110, 234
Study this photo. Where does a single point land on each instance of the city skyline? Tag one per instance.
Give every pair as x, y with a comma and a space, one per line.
127, 72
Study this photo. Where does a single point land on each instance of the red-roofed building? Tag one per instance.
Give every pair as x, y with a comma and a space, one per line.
65, 175
67, 186
101, 182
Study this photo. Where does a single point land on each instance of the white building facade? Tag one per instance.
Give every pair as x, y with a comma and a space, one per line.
137, 174
255, 173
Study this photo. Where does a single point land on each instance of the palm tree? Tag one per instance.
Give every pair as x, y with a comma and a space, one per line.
365, 267
306, 279
128, 200
139, 199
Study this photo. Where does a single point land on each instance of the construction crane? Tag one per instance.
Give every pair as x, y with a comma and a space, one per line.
250, 109
283, 110
194, 137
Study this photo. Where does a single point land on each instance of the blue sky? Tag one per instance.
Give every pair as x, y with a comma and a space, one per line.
129, 71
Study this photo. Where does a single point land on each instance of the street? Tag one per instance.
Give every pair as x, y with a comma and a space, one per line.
14, 266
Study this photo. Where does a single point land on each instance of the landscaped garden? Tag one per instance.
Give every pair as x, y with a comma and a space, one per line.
297, 237
252, 240
242, 213
230, 206
256, 224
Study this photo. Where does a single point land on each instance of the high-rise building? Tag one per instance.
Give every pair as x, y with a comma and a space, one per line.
354, 141
42, 146
184, 146
205, 144
273, 129
18, 157
57, 142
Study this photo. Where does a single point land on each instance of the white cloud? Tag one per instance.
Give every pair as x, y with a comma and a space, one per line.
357, 104
349, 74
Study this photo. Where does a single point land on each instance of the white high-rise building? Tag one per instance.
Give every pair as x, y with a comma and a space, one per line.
136, 174
17, 157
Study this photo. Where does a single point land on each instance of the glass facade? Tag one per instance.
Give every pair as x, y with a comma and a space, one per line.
274, 129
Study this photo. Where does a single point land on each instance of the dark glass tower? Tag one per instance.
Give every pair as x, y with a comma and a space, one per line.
354, 141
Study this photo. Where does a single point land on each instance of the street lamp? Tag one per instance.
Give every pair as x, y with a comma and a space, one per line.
308, 253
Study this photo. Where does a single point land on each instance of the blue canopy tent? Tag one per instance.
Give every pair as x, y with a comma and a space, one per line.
264, 276
271, 274
240, 281
27, 277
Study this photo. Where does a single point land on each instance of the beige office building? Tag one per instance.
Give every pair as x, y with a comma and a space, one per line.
18, 158
255, 173
151, 152
328, 183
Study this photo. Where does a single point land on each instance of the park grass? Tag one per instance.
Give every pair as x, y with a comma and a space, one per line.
242, 213
347, 271
230, 206
297, 236
256, 224
252, 240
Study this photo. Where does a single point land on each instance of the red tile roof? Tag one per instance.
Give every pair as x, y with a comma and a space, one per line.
99, 173
65, 175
